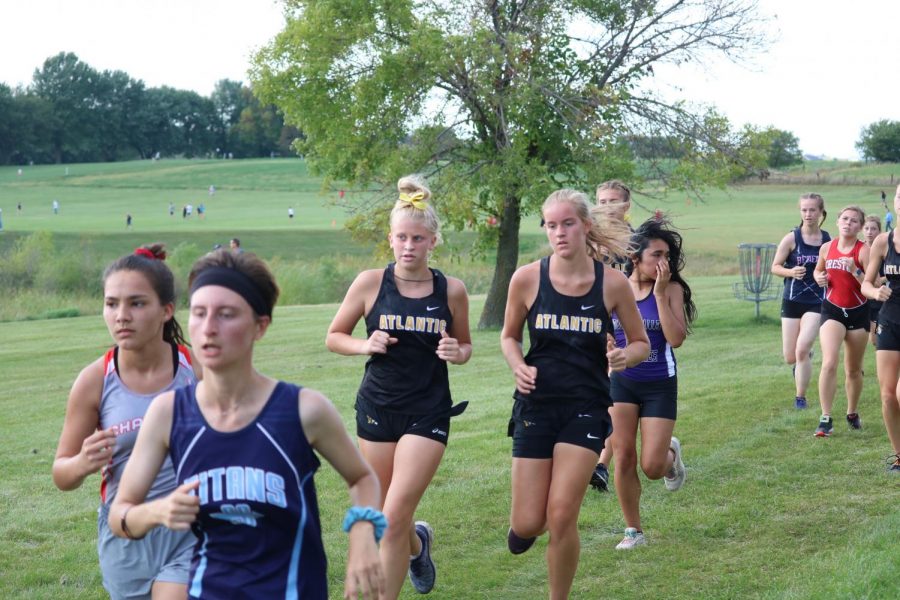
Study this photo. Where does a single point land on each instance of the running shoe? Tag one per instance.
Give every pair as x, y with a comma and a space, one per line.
421, 568
674, 479
518, 545
600, 478
632, 538
826, 425
893, 462
853, 421
799, 402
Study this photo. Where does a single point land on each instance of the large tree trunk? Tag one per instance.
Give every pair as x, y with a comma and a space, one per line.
507, 260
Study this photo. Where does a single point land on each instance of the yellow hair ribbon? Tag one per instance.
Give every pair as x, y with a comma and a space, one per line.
416, 200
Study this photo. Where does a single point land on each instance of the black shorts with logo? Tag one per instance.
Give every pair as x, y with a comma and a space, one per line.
536, 427
376, 424
655, 398
887, 335
851, 318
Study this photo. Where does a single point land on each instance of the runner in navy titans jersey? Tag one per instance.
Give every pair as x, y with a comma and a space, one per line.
242, 445
104, 414
416, 322
801, 306
559, 420
884, 258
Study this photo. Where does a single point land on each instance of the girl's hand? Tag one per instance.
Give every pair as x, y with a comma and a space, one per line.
798, 272
526, 376
448, 347
884, 293
378, 343
97, 450
663, 277
615, 356
180, 508
365, 576
821, 278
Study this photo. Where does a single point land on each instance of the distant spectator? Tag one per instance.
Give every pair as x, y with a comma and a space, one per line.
56, 207
171, 209
888, 221
291, 212
19, 207
341, 194
128, 221
189, 209
1, 219
236, 246
201, 209
212, 190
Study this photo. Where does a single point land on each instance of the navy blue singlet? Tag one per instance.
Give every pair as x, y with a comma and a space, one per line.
258, 532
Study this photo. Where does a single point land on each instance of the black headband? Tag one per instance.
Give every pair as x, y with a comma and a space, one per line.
237, 282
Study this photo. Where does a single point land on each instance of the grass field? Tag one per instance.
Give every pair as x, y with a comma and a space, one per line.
768, 511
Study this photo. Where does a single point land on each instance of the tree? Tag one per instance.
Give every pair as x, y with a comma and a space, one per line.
880, 141
537, 92
784, 149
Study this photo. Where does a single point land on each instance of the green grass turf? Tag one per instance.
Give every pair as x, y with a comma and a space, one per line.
768, 511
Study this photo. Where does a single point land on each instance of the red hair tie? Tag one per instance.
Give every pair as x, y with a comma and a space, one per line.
145, 253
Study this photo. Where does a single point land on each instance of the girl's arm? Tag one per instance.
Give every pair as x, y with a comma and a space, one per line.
781, 254
523, 288
671, 314
619, 298
325, 432
872, 286
357, 303
456, 345
129, 515
82, 448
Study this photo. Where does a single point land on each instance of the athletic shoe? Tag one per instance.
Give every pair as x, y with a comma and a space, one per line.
632, 538
675, 477
799, 402
893, 462
518, 545
421, 568
826, 425
853, 421
600, 478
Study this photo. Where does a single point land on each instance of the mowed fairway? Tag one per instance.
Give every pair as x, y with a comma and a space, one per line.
768, 511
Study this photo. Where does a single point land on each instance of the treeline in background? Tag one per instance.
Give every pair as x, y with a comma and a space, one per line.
73, 113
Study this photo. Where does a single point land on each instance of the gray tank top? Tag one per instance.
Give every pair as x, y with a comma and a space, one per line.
123, 410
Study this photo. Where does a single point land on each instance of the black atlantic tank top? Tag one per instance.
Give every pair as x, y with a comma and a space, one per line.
890, 310
410, 378
567, 337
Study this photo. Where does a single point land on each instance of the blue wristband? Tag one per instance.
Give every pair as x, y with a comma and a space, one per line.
366, 513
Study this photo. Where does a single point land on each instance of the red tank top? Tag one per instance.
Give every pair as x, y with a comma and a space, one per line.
844, 289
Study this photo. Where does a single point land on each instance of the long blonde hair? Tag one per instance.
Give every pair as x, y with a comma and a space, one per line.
607, 238
415, 203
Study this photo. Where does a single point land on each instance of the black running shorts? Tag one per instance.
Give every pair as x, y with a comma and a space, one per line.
795, 310
851, 318
375, 424
536, 427
655, 398
887, 336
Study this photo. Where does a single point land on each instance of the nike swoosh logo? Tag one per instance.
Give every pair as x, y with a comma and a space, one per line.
431, 308
583, 307
593, 437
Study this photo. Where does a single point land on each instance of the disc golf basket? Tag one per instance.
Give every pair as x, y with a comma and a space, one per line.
756, 274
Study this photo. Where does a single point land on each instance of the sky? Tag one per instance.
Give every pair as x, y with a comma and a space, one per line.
828, 74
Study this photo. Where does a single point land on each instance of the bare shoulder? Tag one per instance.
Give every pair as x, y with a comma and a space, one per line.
614, 277
89, 384
368, 279
456, 288
312, 404
525, 273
